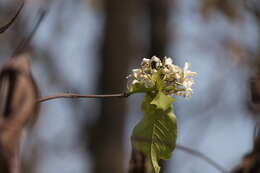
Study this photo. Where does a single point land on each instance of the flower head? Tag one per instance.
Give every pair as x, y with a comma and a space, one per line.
156, 74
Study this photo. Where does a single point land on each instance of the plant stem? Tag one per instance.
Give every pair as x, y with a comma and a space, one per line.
77, 96
201, 156
6, 26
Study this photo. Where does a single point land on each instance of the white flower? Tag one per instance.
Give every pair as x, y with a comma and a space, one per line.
188, 83
165, 70
186, 70
154, 58
136, 72
174, 79
176, 69
155, 62
149, 83
145, 60
167, 61
154, 71
168, 67
145, 63
187, 93
134, 82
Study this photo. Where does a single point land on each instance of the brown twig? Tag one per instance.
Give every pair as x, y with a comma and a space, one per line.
77, 96
6, 26
24, 43
201, 156
18, 109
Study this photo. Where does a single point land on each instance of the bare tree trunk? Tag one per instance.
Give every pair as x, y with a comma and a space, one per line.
160, 33
251, 161
106, 138
139, 163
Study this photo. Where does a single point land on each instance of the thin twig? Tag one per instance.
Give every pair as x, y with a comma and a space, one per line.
22, 46
6, 26
201, 156
77, 96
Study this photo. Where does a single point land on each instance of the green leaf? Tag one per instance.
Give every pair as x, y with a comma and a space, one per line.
155, 135
138, 88
162, 101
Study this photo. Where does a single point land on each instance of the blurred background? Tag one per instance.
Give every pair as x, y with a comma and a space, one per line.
90, 46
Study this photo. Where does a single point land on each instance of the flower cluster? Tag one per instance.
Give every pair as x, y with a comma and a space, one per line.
156, 74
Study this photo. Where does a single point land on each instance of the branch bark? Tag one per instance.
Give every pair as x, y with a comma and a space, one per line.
116, 52
78, 96
6, 26
18, 107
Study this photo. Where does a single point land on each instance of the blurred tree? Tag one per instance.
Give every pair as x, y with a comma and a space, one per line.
230, 8
117, 51
7, 25
106, 135
160, 32
251, 161
8, 39
233, 10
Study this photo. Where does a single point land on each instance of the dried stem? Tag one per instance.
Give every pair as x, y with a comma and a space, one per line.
201, 156
77, 96
24, 43
6, 26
